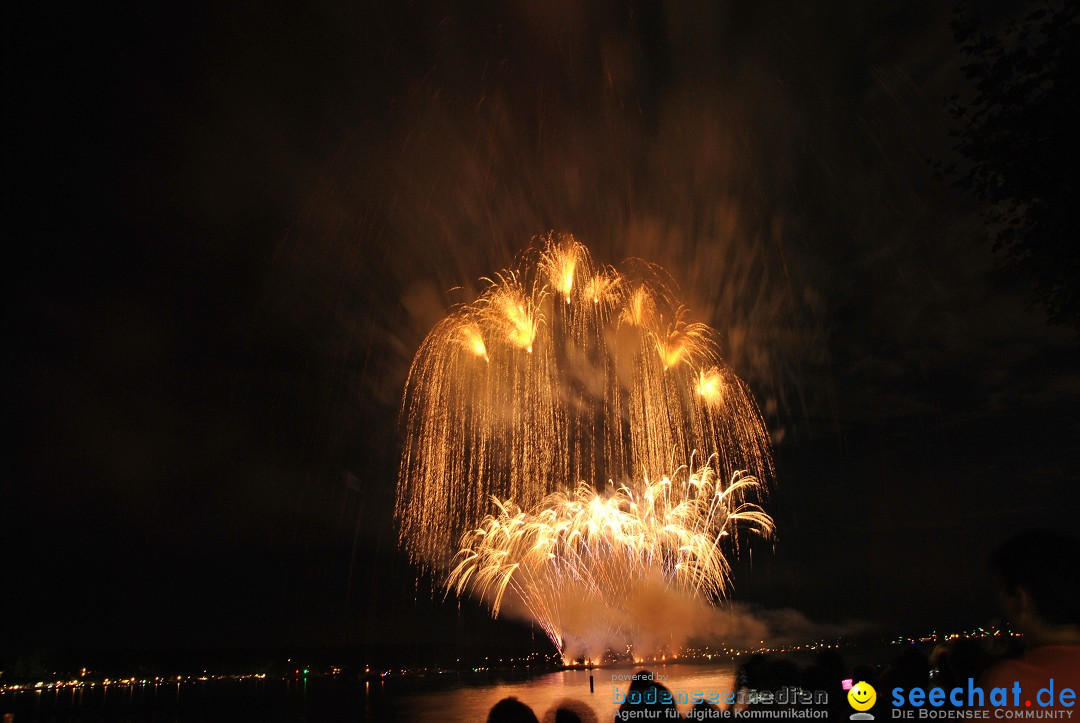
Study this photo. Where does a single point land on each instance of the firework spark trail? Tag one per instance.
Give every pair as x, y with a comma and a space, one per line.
563, 372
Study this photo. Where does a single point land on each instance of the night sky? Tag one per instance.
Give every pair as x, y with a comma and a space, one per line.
227, 230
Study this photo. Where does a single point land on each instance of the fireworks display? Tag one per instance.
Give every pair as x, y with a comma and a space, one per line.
603, 550
551, 428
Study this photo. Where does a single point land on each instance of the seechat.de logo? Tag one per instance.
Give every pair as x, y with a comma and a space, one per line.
862, 697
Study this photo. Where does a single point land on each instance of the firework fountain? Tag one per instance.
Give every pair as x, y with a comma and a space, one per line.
572, 443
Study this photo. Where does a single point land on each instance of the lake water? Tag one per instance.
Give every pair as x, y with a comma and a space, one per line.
431, 698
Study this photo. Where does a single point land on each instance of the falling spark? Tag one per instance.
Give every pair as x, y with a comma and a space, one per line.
639, 311
710, 386
683, 342
474, 340
510, 306
559, 260
602, 286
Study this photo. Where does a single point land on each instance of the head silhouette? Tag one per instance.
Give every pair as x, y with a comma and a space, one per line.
511, 710
1038, 578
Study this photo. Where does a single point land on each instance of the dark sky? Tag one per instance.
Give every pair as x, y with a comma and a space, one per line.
228, 228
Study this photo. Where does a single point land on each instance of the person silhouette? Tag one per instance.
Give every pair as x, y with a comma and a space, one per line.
1038, 581
511, 710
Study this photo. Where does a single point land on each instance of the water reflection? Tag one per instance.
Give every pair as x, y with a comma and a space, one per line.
544, 692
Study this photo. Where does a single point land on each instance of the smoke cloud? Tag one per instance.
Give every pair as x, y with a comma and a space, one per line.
658, 620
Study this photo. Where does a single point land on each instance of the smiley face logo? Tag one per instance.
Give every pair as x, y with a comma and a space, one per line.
862, 696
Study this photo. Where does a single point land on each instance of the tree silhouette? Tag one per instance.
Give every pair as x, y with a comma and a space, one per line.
1017, 136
